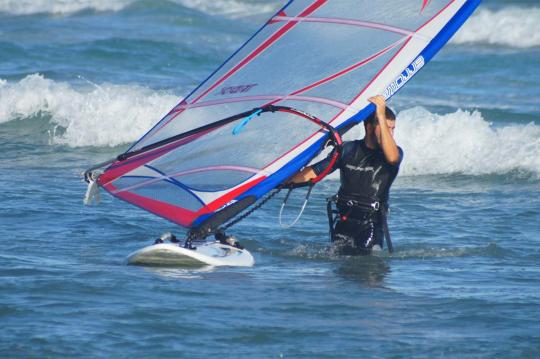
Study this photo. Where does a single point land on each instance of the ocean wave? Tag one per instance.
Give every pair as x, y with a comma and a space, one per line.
510, 26
227, 8
231, 8
462, 142
101, 115
63, 7
465, 143
109, 115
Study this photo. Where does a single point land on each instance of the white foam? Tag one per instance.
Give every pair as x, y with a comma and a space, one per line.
102, 115
228, 8
231, 8
510, 26
109, 115
464, 142
461, 143
28, 7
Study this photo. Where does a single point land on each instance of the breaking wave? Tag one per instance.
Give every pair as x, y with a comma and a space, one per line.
465, 143
511, 26
462, 142
102, 115
109, 115
29, 7
228, 8
231, 8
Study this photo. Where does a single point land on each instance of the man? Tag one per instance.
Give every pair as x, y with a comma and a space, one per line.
367, 169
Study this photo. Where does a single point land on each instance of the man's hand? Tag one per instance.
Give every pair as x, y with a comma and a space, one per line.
303, 176
380, 103
386, 140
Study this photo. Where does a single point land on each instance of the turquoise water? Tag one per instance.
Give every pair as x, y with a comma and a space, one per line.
80, 81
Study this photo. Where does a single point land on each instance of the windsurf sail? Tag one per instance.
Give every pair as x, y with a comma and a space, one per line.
223, 147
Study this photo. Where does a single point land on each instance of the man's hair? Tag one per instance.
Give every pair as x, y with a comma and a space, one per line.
390, 116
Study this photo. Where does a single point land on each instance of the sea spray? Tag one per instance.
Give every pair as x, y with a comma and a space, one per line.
232, 8
510, 26
462, 142
227, 8
63, 7
108, 115
100, 115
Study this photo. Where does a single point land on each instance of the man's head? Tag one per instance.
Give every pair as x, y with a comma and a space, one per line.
371, 124
373, 129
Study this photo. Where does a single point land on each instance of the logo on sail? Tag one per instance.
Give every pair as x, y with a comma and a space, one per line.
405, 76
236, 89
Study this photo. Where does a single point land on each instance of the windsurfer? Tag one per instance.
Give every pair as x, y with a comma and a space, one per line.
367, 169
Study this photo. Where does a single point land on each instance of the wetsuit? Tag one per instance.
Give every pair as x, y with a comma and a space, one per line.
362, 200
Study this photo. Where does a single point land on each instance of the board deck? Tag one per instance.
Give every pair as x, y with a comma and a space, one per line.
209, 253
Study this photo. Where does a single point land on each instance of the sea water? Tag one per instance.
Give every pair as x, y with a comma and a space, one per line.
81, 80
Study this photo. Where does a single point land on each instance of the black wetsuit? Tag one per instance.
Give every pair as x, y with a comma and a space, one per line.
366, 178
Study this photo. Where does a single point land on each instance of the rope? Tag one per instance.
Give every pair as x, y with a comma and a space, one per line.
256, 207
301, 210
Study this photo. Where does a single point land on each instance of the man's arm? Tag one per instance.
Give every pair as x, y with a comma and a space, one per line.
303, 176
389, 146
310, 172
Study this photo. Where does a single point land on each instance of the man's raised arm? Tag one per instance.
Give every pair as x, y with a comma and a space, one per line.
388, 145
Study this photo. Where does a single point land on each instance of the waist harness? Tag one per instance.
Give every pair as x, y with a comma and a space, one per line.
373, 211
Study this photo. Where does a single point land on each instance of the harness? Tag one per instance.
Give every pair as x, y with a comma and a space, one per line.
370, 209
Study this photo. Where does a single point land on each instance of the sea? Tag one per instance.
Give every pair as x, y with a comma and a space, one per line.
80, 80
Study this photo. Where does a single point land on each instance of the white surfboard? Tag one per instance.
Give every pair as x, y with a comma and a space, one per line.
209, 253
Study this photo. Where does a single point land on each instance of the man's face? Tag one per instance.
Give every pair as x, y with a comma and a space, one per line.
377, 129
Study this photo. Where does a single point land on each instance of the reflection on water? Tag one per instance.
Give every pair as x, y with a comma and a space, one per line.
180, 273
423, 251
369, 271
